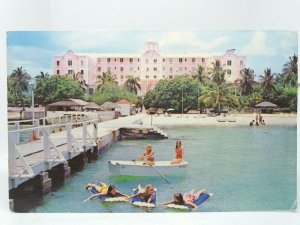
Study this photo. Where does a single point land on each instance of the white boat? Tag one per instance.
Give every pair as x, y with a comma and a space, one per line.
138, 168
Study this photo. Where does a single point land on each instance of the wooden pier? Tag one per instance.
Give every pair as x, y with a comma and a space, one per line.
57, 145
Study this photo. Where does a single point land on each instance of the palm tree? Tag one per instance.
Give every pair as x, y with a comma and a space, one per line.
20, 83
200, 75
216, 73
290, 71
42, 75
106, 77
132, 84
247, 81
267, 82
215, 95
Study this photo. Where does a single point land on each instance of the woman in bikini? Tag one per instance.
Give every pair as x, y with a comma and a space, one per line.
179, 153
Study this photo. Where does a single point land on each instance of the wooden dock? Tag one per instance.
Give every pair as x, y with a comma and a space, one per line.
27, 160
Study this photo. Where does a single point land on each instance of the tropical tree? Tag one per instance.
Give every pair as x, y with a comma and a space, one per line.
217, 73
56, 88
217, 96
42, 75
200, 75
20, 82
132, 84
247, 81
267, 83
110, 91
180, 93
106, 77
290, 71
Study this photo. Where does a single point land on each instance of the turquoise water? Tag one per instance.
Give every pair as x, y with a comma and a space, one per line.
247, 169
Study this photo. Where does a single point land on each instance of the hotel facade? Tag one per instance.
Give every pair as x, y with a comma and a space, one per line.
149, 67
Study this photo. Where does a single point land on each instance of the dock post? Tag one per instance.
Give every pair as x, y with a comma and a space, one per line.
17, 127
84, 134
45, 182
35, 132
69, 137
46, 144
12, 157
95, 131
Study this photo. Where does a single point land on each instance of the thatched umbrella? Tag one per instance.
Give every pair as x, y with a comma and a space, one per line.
92, 106
109, 105
266, 105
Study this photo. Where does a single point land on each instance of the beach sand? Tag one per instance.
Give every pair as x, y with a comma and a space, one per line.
240, 119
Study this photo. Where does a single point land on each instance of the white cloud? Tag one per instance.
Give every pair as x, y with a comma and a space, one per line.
258, 45
32, 59
189, 41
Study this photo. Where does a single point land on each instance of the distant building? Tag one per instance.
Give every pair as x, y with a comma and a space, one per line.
150, 67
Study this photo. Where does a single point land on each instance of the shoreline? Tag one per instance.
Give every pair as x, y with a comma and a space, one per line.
229, 120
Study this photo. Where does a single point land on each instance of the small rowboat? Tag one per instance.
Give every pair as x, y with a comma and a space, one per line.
138, 168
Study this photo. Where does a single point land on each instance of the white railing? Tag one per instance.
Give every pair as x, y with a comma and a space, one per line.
48, 144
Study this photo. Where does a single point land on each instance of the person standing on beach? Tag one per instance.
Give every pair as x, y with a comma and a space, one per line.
179, 153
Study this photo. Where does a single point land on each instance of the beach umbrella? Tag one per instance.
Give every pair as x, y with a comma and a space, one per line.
170, 109
266, 105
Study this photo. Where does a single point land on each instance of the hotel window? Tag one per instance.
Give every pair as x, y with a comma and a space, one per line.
70, 71
115, 68
121, 60
193, 60
82, 72
146, 60
115, 60
138, 60
155, 60
108, 60
163, 68
121, 69
131, 60
57, 63
228, 62
180, 60
69, 62
81, 63
203, 59
163, 60
98, 60
185, 60
184, 68
138, 68
241, 62
180, 68
228, 72
130, 69
108, 69
154, 76
171, 69
170, 76
57, 71
99, 69
147, 76
155, 69
147, 68
171, 61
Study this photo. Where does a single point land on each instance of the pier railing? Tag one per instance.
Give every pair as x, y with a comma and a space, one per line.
46, 142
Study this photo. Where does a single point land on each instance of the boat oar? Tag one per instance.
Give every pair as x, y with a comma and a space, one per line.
166, 179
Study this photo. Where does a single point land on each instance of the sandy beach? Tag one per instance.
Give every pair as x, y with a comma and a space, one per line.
230, 120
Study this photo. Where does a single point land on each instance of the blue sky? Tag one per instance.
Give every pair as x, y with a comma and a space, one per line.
34, 51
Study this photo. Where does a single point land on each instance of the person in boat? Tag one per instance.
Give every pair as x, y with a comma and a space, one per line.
188, 198
148, 155
147, 195
179, 153
104, 190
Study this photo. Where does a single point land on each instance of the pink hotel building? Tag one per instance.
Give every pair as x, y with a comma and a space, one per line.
150, 67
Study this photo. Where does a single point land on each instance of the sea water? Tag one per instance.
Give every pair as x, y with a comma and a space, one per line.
246, 168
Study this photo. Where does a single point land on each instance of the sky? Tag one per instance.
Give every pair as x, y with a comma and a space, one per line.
34, 51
